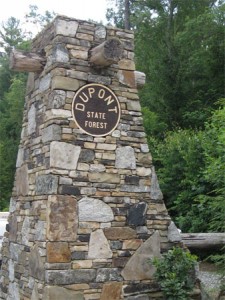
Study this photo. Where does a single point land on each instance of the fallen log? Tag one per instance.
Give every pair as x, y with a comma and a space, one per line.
204, 241
107, 53
24, 61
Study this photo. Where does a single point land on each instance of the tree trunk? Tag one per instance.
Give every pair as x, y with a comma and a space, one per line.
127, 14
23, 61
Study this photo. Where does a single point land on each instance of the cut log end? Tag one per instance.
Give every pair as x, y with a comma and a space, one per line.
107, 53
113, 50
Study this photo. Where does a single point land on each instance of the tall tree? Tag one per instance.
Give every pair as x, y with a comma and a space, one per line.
126, 14
180, 46
181, 84
11, 34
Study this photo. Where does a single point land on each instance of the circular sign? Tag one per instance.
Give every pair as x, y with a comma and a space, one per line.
96, 109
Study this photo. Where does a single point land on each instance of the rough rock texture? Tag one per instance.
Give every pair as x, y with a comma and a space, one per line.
94, 210
139, 266
99, 246
86, 212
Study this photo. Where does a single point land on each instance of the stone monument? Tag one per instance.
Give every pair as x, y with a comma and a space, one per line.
86, 213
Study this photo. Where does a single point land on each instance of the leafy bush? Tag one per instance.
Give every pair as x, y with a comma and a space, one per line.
173, 273
191, 170
179, 163
152, 123
214, 172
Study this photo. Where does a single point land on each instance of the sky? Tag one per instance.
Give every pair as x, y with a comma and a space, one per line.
79, 9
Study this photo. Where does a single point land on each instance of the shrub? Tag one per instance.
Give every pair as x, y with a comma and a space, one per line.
174, 273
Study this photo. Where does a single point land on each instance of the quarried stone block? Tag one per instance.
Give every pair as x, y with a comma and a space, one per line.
56, 99
36, 264
58, 252
86, 155
125, 158
64, 155
133, 288
60, 54
46, 184
134, 105
120, 233
108, 274
173, 233
139, 266
91, 209
61, 293
62, 219
127, 78
31, 119
111, 291
51, 133
14, 291
60, 277
69, 190
45, 82
106, 177
22, 184
66, 27
155, 191
137, 214
99, 246
64, 83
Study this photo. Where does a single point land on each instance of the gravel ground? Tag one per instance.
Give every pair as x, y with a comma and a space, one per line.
210, 280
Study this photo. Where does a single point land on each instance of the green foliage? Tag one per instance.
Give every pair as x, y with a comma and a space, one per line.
11, 34
180, 47
214, 172
11, 108
174, 273
179, 162
152, 124
191, 170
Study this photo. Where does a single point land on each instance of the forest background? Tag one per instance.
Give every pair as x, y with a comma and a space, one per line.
180, 46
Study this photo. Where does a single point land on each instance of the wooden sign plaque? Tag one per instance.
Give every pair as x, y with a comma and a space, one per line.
96, 109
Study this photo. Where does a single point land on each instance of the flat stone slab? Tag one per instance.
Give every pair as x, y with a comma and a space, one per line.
64, 155
95, 210
60, 293
61, 277
99, 246
62, 221
139, 266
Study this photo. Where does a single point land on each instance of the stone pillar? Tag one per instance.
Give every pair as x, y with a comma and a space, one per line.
86, 212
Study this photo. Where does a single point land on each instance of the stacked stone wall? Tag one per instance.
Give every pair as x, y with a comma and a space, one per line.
86, 212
